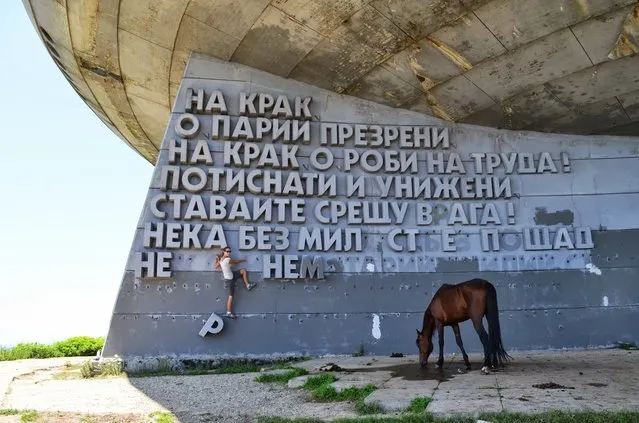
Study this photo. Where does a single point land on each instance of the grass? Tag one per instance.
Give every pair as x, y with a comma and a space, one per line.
315, 382
418, 405
322, 391
162, 417
327, 393
71, 371
29, 416
284, 377
10, 412
548, 417
25, 415
78, 346
627, 346
373, 408
361, 352
92, 369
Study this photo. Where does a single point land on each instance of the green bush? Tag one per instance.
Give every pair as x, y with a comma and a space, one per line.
72, 347
79, 346
24, 351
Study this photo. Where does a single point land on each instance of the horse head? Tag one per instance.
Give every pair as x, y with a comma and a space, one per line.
425, 346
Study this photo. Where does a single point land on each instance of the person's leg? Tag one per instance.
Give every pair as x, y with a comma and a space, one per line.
229, 285
229, 304
244, 275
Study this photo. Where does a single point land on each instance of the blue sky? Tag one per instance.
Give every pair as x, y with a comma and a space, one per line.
71, 193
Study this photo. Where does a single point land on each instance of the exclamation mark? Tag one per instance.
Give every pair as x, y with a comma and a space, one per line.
511, 213
566, 162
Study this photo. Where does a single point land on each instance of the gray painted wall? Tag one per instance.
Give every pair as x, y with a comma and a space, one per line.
550, 298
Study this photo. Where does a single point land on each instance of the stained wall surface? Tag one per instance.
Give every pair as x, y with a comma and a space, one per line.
554, 66
351, 214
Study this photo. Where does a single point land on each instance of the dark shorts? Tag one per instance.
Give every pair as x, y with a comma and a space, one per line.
229, 284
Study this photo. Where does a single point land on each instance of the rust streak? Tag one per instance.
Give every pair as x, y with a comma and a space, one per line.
582, 7
418, 70
627, 42
454, 56
438, 110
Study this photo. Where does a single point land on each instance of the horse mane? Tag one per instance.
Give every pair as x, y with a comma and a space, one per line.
428, 324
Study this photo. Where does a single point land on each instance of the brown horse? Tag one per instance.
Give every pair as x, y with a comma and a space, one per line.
453, 304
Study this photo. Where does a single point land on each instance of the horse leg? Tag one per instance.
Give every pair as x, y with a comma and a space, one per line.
483, 336
460, 344
440, 335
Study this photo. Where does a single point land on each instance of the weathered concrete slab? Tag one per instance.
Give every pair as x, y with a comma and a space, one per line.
521, 110
469, 38
384, 87
403, 65
429, 61
275, 43
363, 41
590, 117
148, 113
227, 16
419, 18
592, 85
543, 60
395, 399
198, 35
630, 103
160, 27
341, 385
515, 24
460, 97
136, 54
472, 403
322, 16
598, 35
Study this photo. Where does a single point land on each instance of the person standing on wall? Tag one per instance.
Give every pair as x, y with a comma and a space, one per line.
224, 261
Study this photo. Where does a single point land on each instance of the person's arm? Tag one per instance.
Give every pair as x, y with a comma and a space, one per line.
238, 261
217, 262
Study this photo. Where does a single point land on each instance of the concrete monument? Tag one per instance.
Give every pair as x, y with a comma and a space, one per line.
352, 214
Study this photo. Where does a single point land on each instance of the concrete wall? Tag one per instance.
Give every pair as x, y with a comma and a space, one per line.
567, 293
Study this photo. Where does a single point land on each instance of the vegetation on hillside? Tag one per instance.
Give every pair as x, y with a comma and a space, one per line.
76, 346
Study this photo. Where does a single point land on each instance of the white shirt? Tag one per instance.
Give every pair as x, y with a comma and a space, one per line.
225, 264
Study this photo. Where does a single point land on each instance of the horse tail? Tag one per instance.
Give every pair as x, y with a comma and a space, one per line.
494, 331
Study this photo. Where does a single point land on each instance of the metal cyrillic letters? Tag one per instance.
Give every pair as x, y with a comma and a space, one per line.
298, 190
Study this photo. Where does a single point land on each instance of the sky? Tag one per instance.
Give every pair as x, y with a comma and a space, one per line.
71, 193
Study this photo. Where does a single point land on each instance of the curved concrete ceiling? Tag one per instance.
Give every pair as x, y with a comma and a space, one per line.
566, 66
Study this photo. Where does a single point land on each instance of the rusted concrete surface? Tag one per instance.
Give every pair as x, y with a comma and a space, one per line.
545, 65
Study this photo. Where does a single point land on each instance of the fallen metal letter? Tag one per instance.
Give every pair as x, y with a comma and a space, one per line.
213, 325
